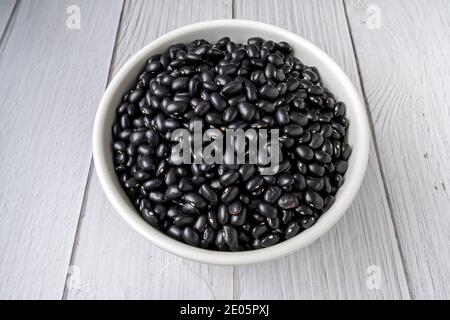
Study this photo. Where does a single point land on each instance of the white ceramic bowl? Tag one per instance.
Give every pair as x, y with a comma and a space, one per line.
239, 30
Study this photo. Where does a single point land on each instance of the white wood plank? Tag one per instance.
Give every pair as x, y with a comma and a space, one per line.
335, 266
52, 79
6, 9
111, 259
405, 67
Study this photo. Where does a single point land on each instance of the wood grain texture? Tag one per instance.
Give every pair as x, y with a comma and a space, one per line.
111, 260
405, 66
6, 10
335, 266
52, 80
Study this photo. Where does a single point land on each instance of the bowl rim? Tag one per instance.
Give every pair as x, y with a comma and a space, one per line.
348, 191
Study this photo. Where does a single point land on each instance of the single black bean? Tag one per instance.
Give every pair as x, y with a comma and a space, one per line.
272, 194
222, 214
191, 237
270, 240
314, 199
288, 201
282, 117
266, 209
209, 194
229, 178
292, 230
194, 199
247, 110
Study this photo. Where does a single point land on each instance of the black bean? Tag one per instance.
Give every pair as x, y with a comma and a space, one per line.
246, 171
218, 102
341, 166
201, 223
152, 184
268, 92
194, 199
156, 196
222, 214
137, 138
247, 110
175, 232
230, 114
209, 194
292, 230
176, 107
316, 141
322, 157
293, 130
282, 117
307, 222
229, 194
270, 240
235, 207
272, 194
232, 88
266, 209
255, 183
239, 219
314, 199
288, 201
183, 220
230, 236
191, 237
304, 152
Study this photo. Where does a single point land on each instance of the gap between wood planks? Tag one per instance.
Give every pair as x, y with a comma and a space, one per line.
377, 153
9, 22
91, 167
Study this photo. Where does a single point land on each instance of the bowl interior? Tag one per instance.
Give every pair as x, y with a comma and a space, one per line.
238, 30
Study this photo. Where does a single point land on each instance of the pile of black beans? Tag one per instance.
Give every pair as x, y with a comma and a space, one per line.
231, 207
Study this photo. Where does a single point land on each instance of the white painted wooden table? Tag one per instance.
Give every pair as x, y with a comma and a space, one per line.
61, 239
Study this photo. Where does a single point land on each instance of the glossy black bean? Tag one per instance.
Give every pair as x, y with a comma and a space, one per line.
272, 194
247, 110
209, 194
266, 209
322, 156
270, 240
218, 102
230, 236
191, 237
282, 116
229, 178
176, 107
222, 214
314, 199
200, 223
288, 201
239, 219
254, 183
194, 199
232, 88
175, 232
229, 194
316, 141
316, 169
341, 166
292, 130
303, 152
292, 230
268, 92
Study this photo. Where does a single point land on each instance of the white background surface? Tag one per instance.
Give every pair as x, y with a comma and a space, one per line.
59, 237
